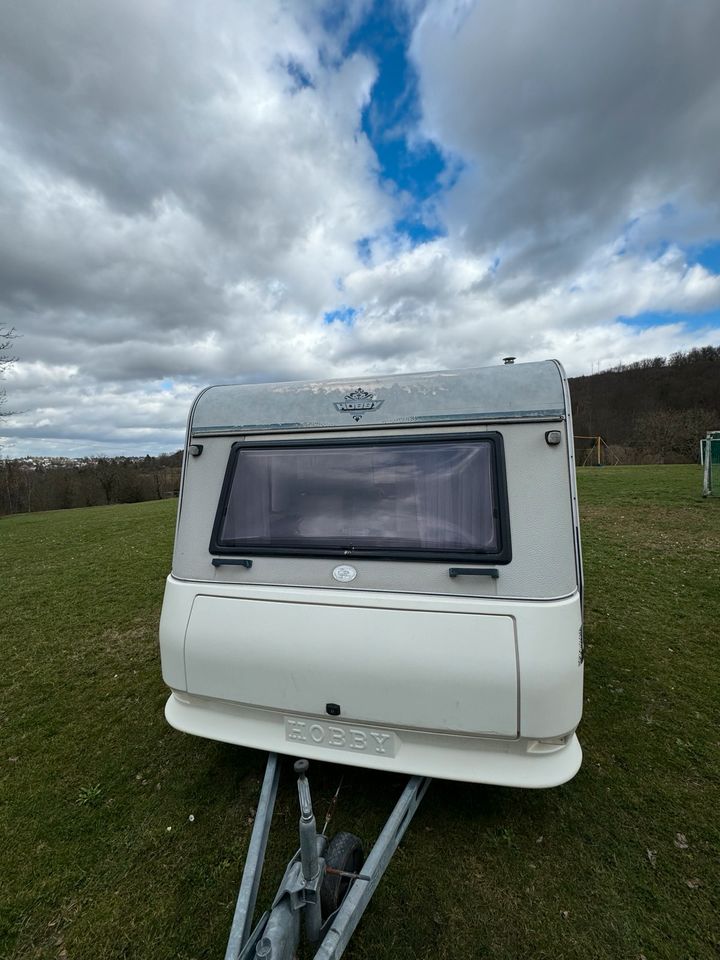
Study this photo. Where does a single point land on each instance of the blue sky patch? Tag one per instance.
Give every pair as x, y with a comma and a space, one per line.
417, 230
299, 75
343, 314
364, 249
411, 165
691, 321
708, 256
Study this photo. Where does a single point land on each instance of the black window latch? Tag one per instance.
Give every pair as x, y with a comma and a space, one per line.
474, 572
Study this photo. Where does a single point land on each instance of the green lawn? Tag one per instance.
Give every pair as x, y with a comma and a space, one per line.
100, 859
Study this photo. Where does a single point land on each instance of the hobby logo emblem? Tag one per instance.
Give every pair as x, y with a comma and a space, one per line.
358, 403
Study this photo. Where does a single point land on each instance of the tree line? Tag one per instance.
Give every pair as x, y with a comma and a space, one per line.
44, 483
682, 358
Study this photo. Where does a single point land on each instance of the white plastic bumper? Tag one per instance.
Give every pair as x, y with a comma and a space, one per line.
510, 763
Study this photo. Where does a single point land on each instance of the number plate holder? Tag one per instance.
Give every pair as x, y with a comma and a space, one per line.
352, 738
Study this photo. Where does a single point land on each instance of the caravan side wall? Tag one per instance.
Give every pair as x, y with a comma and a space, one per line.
405, 667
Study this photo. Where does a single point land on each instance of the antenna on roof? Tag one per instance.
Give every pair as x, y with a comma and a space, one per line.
509, 359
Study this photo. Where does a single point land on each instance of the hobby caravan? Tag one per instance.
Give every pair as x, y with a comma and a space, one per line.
384, 573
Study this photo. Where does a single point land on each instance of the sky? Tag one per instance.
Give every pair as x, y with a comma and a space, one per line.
233, 191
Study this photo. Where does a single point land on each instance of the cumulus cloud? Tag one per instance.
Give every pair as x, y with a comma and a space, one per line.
431, 306
185, 187
573, 119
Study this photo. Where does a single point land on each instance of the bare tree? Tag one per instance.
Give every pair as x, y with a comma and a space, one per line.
7, 335
108, 474
674, 435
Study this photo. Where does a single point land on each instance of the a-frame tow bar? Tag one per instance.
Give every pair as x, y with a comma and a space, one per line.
326, 886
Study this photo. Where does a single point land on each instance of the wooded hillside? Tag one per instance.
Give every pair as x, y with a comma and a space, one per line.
655, 410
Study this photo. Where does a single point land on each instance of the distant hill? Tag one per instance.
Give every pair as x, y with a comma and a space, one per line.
657, 409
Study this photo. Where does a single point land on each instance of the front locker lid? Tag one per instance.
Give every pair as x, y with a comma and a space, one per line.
450, 672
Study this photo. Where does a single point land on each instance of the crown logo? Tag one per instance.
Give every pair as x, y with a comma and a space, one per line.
358, 402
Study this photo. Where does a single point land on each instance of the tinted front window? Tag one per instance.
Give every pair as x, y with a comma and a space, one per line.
418, 496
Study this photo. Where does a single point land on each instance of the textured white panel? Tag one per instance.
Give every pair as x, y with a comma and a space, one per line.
453, 671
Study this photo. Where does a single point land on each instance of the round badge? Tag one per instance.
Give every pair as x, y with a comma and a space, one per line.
344, 573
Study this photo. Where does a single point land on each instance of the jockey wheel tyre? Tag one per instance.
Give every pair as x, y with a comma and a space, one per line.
344, 852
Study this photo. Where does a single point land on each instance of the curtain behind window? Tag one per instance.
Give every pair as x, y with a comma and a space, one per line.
425, 495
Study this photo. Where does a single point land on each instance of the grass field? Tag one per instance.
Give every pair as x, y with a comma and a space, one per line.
100, 858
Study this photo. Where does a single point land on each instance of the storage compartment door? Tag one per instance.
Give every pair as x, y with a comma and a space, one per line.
426, 670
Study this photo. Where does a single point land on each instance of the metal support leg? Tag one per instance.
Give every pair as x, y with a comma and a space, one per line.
245, 907
309, 858
348, 916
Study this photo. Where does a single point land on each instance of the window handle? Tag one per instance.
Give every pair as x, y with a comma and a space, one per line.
474, 572
231, 562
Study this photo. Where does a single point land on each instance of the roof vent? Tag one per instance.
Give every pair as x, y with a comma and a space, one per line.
509, 359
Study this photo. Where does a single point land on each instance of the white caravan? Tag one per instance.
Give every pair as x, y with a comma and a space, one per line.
384, 573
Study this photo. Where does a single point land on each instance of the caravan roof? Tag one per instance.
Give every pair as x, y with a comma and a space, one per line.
528, 391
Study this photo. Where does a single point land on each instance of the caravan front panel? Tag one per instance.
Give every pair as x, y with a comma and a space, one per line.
348, 573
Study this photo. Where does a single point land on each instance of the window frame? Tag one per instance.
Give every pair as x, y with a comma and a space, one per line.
499, 487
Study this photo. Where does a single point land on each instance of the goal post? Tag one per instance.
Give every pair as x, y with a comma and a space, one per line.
593, 452
710, 459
